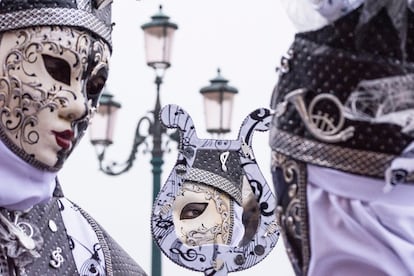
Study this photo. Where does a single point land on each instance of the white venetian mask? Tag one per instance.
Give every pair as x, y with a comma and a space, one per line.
202, 215
50, 81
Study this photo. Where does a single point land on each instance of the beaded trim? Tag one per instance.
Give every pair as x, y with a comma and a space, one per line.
359, 162
212, 179
231, 226
292, 212
56, 16
104, 245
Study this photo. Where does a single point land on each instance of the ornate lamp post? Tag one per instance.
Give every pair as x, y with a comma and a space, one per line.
101, 134
158, 36
218, 104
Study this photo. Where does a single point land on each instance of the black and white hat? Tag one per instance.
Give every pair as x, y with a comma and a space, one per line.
219, 169
344, 95
92, 15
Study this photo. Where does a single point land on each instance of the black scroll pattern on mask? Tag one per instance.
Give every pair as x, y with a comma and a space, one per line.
258, 116
257, 189
164, 223
164, 227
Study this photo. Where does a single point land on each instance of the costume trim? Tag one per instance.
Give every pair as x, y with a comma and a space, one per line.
292, 211
117, 261
93, 15
215, 180
354, 161
55, 16
101, 238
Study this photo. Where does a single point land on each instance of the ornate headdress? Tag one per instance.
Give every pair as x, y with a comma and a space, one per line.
92, 15
347, 87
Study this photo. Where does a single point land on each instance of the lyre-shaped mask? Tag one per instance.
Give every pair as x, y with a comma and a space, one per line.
215, 213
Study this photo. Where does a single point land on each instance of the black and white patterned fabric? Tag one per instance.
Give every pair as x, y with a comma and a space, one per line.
92, 15
73, 243
342, 139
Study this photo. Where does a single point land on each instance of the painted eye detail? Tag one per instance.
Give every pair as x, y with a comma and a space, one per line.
57, 68
193, 210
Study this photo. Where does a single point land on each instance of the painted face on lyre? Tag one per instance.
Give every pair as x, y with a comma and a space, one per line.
51, 78
201, 215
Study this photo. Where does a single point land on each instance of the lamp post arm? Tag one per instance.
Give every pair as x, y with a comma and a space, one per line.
115, 168
154, 130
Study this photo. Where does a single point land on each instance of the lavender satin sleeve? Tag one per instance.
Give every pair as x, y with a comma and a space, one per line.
356, 227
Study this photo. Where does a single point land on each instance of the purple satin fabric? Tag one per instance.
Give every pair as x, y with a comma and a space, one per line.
22, 185
356, 228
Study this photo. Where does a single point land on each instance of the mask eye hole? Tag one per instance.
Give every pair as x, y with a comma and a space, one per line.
96, 83
57, 68
193, 210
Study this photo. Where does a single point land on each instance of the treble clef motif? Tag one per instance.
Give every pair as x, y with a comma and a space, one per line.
265, 206
189, 255
223, 159
57, 258
224, 174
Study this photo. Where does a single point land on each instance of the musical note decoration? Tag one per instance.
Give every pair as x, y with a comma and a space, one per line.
227, 178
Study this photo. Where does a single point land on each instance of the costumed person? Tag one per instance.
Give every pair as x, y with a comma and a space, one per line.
54, 63
209, 206
342, 138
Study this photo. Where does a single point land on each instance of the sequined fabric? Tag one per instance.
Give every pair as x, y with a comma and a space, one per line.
13, 5
4, 266
344, 57
220, 169
40, 216
56, 253
122, 264
291, 211
87, 14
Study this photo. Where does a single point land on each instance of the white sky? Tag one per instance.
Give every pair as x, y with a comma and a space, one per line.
246, 40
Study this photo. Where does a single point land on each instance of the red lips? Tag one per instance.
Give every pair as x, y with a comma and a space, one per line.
64, 138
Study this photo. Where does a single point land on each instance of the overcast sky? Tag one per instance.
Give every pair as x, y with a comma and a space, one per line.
246, 39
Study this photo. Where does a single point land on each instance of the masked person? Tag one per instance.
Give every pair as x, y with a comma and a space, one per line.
342, 138
209, 206
54, 62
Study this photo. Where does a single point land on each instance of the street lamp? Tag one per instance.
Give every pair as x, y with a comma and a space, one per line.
158, 36
218, 104
101, 134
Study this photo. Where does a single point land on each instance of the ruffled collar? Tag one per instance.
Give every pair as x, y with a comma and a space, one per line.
22, 186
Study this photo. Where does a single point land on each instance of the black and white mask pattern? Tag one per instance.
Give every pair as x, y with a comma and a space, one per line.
215, 213
202, 215
50, 82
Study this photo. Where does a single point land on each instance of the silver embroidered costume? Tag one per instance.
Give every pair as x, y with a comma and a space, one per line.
54, 59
